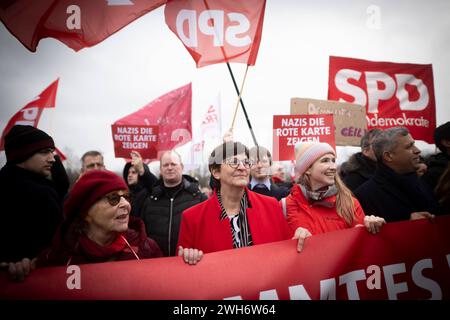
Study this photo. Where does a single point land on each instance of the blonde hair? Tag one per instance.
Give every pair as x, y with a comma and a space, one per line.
345, 205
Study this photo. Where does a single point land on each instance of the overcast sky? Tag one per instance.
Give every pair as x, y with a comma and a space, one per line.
145, 60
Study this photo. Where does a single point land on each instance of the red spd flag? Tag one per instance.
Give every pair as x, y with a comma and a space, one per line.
31, 113
169, 115
394, 94
216, 31
76, 23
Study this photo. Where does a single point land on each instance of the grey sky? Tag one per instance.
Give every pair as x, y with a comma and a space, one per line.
144, 60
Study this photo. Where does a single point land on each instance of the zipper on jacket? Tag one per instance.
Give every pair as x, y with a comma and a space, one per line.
170, 224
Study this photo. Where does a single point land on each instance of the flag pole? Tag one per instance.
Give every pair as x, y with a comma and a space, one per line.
239, 98
237, 89
239, 93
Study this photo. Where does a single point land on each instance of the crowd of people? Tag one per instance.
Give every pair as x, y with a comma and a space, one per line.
105, 217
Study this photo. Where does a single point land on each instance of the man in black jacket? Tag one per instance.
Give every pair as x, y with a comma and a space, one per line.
438, 163
395, 192
170, 196
261, 173
360, 167
33, 184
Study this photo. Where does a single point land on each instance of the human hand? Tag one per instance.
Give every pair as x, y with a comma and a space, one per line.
18, 271
190, 256
301, 234
228, 136
136, 162
421, 215
373, 224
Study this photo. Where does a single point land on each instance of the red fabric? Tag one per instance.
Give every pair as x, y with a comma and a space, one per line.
171, 113
97, 251
92, 185
316, 218
201, 227
31, 113
394, 94
412, 258
237, 35
31, 21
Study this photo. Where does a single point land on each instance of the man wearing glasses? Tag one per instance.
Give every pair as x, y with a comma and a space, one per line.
234, 217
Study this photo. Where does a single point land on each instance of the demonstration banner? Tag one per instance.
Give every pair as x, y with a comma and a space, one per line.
216, 31
394, 94
168, 117
406, 260
143, 139
76, 23
349, 119
288, 130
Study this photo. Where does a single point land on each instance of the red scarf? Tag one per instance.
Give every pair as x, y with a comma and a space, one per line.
98, 251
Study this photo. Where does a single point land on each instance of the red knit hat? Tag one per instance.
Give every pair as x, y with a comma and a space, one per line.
92, 185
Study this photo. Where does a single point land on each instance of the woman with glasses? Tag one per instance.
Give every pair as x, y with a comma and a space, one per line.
234, 216
97, 227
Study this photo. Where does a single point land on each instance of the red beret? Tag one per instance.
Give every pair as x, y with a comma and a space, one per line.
92, 185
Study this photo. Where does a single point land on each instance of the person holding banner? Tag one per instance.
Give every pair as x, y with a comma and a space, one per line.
97, 227
234, 217
320, 202
140, 181
395, 192
33, 184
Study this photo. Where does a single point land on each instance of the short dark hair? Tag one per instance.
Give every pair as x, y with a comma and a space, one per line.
386, 141
258, 152
222, 152
91, 153
369, 136
442, 133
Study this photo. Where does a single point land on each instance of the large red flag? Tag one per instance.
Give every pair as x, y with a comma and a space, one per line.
395, 94
170, 113
31, 113
216, 31
77, 23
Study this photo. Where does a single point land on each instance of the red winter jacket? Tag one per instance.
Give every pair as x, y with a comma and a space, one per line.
317, 218
201, 227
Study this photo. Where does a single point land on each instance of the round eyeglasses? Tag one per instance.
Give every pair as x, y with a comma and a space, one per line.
234, 163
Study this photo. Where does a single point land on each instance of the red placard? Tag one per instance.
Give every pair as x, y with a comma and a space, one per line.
127, 138
288, 130
394, 94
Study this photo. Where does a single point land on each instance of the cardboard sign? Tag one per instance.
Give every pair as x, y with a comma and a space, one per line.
349, 119
288, 130
127, 138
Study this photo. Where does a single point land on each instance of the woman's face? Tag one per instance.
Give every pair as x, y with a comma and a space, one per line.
234, 171
322, 173
109, 214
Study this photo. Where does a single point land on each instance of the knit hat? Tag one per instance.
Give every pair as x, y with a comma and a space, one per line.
306, 153
22, 142
92, 185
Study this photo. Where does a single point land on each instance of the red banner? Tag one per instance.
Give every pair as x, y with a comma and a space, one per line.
31, 113
288, 130
143, 139
407, 260
171, 113
216, 31
77, 23
395, 94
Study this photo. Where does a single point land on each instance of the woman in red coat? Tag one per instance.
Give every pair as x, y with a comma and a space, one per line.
321, 202
234, 216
